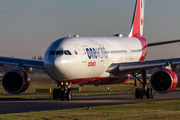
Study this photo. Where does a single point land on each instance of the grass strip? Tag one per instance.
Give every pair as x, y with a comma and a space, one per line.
161, 110
85, 90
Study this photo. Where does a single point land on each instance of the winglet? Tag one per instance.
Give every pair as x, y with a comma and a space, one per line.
138, 19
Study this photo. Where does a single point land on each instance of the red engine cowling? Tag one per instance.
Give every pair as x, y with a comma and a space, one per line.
163, 80
15, 81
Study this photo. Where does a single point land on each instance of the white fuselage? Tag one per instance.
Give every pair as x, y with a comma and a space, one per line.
89, 57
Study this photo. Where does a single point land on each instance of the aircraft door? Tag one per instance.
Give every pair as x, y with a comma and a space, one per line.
82, 52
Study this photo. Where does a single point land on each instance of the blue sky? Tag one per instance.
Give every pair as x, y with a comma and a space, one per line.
27, 27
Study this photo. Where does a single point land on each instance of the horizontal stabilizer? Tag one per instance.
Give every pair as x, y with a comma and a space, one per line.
161, 43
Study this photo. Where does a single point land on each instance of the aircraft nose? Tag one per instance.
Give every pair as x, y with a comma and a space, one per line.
53, 68
58, 63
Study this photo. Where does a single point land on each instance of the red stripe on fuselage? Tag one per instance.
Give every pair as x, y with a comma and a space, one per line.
101, 81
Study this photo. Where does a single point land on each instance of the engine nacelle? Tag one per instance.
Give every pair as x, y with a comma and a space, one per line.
15, 81
163, 80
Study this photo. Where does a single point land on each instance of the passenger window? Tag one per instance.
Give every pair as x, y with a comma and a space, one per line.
59, 52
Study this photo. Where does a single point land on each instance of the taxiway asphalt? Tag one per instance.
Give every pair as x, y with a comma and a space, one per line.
19, 105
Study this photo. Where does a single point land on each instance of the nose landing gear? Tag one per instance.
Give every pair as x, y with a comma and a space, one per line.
64, 92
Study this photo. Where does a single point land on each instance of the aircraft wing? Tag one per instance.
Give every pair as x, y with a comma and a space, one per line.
22, 62
131, 67
162, 43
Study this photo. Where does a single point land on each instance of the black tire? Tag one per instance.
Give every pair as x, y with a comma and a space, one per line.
69, 94
62, 95
150, 93
56, 93
139, 93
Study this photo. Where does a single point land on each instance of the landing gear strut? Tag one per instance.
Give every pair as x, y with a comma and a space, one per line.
140, 92
64, 92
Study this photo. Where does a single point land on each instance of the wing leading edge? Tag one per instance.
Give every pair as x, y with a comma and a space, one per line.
131, 67
22, 62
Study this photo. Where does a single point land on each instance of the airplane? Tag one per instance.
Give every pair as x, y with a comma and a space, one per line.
97, 61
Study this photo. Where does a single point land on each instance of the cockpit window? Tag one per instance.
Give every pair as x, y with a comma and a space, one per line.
66, 52
69, 53
59, 52
52, 52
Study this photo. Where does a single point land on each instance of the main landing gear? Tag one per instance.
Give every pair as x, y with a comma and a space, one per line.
140, 92
64, 92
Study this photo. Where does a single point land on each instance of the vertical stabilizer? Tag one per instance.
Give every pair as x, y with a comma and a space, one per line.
138, 19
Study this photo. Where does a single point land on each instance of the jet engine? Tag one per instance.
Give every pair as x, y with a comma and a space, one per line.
15, 81
163, 80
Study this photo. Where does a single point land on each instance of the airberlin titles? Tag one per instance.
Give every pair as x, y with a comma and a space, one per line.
97, 53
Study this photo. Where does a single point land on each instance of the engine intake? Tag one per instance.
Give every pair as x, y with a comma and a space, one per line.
15, 81
163, 80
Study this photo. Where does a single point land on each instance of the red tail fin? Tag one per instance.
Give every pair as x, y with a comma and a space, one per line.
138, 19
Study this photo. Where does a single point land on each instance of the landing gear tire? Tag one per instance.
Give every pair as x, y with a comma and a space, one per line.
69, 94
64, 92
62, 95
144, 91
56, 93
150, 93
139, 93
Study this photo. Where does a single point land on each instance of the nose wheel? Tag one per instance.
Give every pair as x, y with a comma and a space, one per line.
62, 93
